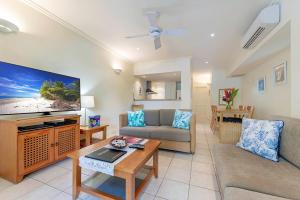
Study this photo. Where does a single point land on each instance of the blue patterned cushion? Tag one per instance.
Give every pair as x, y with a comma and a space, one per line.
182, 120
261, 137
136, 119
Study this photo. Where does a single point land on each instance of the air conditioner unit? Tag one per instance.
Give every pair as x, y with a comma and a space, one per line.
265, 22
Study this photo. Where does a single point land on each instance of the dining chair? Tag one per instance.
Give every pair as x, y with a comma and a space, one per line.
250, 110
241, 107
214, 118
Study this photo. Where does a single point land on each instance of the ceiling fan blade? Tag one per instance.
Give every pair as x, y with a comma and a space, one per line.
136, 36
157, 43
174, 32
153, 17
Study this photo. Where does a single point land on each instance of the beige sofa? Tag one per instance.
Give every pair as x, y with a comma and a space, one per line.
159, 126
245, 176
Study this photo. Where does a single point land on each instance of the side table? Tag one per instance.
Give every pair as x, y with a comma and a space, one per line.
88, 132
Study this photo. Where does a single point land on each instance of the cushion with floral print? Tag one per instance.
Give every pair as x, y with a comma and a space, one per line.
261, 137
136, 118
182, 119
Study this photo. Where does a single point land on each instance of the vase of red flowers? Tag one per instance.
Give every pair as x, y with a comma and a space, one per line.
229, 95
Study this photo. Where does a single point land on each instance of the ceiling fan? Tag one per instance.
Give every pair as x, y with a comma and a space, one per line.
156, 31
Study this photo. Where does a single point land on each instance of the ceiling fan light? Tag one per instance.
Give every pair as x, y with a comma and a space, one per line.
7, 27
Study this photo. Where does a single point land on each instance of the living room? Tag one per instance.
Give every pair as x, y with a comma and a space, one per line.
158, 59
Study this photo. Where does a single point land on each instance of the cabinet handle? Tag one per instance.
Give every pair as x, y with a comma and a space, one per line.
52, 145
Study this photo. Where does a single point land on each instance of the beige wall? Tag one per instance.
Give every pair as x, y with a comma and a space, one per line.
220, 80
276, 99
295, 59
182, 65
289, 14
46, 44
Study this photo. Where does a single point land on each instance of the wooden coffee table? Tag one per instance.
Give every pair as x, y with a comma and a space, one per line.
126, 171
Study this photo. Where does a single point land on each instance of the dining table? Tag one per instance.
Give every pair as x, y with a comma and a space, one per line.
233, 113
230, 124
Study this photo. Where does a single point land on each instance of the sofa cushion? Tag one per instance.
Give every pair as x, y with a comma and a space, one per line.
152, 117
143, 132
232, 193
166, 117
182, 119
169, 133
239, 168
136, 118
290, 140
261, 137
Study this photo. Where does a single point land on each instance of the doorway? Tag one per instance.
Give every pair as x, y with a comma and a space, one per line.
201, 99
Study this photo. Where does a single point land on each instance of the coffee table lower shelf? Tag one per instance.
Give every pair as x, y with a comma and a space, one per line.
114, 188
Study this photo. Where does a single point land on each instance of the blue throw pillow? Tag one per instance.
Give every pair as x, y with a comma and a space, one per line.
182, 120
136, 119
261, 137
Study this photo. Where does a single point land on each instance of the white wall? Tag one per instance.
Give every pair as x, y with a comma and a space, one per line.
276, 99
182, 65
139, 89
220, 80
293, 8
45, 44
289, 14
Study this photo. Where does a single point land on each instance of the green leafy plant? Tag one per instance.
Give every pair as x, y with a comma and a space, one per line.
59, 91
229, 96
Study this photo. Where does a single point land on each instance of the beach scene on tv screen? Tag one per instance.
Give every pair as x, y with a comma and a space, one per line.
27, 90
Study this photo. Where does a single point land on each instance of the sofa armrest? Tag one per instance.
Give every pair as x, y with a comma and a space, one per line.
123, 120
193, 133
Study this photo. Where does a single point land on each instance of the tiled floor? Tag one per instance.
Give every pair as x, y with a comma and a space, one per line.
181, 176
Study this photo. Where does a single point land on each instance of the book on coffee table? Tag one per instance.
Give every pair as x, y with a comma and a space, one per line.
106, 154
134, 140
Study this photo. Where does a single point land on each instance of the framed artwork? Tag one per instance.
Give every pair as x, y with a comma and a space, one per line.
261, 85
280, 74
221, 94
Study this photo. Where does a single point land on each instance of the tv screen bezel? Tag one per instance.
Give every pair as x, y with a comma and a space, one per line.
56, 111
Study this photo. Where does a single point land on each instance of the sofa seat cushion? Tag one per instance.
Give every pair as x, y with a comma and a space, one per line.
232, 193
239, 168
170, 133
142, 132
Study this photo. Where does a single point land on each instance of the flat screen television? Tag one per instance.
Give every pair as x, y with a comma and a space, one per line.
27, 90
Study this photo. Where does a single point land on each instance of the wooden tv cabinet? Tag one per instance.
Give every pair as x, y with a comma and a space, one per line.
24, 152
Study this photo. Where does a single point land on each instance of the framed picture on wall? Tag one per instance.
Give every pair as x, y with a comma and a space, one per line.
261, 85
221, 94
280, 74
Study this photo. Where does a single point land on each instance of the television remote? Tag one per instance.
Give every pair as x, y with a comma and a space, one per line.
137, 146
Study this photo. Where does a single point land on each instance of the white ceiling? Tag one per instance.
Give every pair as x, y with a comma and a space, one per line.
109, 21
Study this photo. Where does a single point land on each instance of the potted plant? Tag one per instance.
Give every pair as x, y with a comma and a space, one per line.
229, 95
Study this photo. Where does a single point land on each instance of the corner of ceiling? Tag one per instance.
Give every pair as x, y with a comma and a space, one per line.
74, 29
